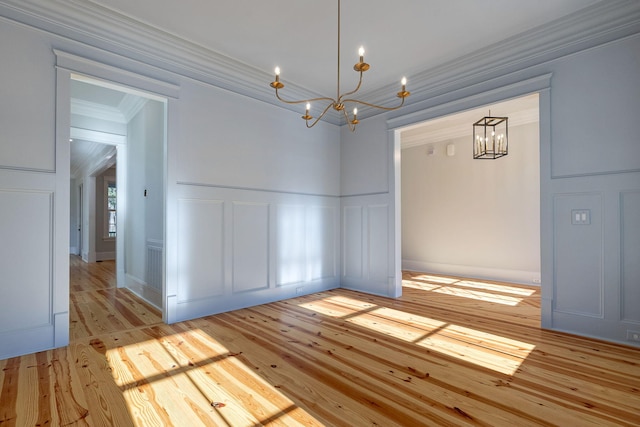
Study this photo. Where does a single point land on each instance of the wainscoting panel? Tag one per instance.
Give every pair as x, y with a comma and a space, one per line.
306, 243
34, 278
27, 289
200, 249
578, 254
353, 242
367, 262
322, 237
291, 245
630, 242
243, 247
250, 246
378, 237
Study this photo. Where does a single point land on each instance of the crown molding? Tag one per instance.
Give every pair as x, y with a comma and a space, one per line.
97, 111
131, 105
90, 23
448, 133
593, 26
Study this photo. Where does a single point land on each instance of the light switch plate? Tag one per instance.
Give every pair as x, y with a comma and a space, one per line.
581, 216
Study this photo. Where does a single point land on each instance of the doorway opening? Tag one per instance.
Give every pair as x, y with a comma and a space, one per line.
466, 217
118, 174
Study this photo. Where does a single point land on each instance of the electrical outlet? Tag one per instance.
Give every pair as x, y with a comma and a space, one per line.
536, 281
633, 335
299, 290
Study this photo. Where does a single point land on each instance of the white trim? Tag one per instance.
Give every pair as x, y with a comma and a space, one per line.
144, 291
97, 136
110, 77
131, 105
452, 132
105, 256
100, 111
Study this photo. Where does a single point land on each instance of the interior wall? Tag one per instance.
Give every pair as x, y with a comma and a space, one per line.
34, 195
368, 209
144, 235
253, 206
473, 218
255, 201
590, 161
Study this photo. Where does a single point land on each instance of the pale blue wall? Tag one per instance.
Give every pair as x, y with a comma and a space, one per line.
246, 183
590, 159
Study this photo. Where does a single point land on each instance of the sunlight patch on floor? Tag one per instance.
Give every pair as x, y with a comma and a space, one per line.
166, 374
496, 293
491, 351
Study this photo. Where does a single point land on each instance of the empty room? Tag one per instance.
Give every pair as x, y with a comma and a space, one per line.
344, 212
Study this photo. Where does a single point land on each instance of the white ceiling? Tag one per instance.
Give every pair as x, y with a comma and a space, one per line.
401, 38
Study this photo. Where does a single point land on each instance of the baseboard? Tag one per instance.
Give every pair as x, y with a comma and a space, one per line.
144, 291
512, 276
104, 256
73, 250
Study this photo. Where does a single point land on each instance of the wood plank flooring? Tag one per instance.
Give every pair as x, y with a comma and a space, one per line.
449, 352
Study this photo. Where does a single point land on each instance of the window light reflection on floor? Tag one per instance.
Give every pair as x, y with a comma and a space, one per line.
491, 351
167, 368
496, 293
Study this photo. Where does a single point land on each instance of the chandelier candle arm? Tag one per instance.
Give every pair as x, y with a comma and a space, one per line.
307, 117
338, 103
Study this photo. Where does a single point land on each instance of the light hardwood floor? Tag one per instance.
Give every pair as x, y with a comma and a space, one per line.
448, 352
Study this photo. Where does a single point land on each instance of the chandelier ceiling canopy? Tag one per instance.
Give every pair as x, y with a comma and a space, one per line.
342, 100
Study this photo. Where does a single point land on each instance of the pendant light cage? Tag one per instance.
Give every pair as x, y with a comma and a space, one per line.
491, 137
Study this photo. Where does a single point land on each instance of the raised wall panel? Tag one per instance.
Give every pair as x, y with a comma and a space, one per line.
352, 242
321, 242
579, 145
578, 255
200, 249
630, 254
26, 221
290, 245
250, 246
27, 110
378, 236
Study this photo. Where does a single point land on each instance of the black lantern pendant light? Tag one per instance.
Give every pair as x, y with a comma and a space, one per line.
491, 137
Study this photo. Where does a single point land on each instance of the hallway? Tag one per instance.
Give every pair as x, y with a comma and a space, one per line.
97, 307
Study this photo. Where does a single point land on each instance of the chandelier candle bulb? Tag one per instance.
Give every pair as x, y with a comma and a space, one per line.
306, 116
276, 83
361, 53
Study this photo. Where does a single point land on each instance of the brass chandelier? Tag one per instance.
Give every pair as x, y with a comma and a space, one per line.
339, 103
